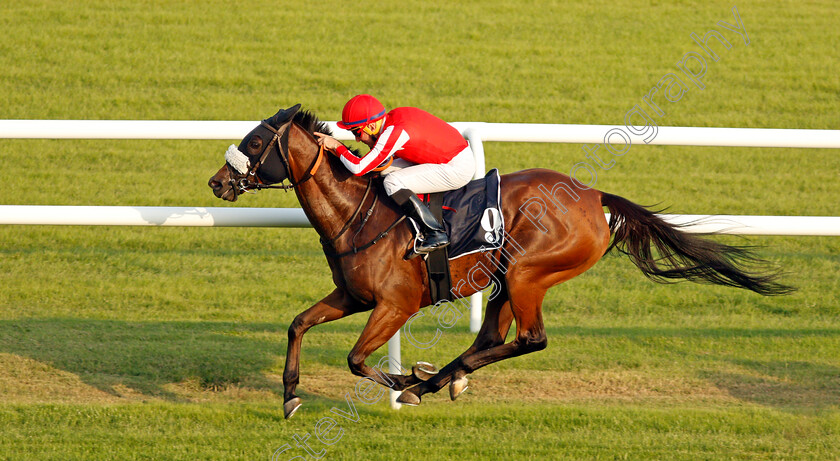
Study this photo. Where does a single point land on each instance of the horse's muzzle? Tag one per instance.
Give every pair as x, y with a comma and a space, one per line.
222, 191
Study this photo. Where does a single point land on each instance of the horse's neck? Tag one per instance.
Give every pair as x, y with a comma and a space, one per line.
328, 202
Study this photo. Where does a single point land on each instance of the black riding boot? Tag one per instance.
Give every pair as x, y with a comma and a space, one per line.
434, 235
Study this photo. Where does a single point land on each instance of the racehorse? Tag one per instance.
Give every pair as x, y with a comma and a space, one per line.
556, 229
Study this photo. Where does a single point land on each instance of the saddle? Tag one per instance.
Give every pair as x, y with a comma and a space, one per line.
473, 221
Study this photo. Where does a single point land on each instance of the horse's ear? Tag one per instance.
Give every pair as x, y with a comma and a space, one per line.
283, 116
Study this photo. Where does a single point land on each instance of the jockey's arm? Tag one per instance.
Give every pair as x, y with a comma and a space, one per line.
386, 145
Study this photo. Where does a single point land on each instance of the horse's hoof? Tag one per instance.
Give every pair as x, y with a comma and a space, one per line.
424, 371
409, 398
290, 407
457, 386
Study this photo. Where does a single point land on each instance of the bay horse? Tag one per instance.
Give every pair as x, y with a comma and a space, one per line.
556, 229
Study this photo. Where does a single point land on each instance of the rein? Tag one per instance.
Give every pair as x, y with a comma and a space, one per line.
312, 170
281, 137
282, 140
365, 246
328, 245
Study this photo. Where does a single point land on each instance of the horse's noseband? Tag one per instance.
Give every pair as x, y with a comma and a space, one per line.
250, 181
244, 178
235, 158
243, 175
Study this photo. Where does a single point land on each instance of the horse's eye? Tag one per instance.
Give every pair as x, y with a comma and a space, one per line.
254, 144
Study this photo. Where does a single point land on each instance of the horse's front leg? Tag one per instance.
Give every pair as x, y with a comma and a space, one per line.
384, 322
336, 305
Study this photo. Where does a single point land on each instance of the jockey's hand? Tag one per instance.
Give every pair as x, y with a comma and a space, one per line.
329, 143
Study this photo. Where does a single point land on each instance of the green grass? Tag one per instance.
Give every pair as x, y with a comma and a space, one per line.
573, 431
168, 343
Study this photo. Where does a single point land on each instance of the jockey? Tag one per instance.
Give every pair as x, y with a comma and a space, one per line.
429, 155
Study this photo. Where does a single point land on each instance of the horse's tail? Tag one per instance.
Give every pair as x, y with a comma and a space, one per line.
637, 232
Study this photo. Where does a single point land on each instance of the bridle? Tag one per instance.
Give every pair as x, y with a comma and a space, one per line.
250, 181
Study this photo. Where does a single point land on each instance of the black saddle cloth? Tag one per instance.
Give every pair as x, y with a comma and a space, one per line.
472, 216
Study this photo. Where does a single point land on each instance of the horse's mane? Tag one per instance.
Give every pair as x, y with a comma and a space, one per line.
309, 122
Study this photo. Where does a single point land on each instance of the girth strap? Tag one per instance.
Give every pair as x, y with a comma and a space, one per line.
437, 262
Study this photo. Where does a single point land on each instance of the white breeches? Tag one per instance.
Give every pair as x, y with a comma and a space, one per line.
426, 178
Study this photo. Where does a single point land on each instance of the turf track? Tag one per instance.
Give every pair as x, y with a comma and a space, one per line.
122, 343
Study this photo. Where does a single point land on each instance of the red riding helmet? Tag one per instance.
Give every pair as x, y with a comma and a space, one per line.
361, 110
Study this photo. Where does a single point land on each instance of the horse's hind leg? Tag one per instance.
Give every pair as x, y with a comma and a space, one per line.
458, 380
336, 305
497, 320
526, 305
530, 337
